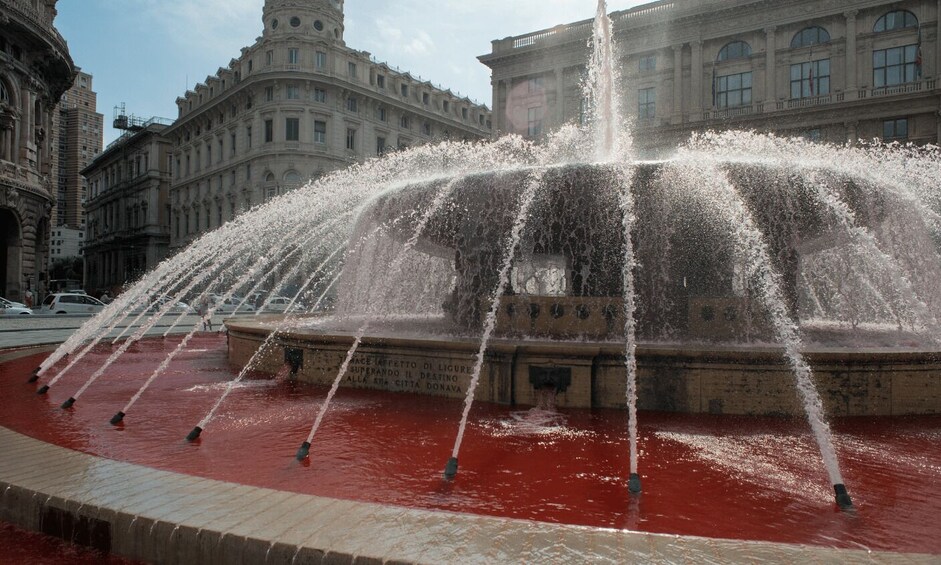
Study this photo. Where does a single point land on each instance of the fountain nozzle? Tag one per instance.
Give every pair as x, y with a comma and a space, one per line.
116, 419
303, 451
450, 468
35, 376
194, 434
843, 499
68, 403
43, 389
633, 483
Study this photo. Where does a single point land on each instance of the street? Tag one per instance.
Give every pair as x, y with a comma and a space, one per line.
21, 331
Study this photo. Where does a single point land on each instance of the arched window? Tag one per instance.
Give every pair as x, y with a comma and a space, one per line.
4, 95
292, 177
269, 177
734, 50
813, 35
897, 19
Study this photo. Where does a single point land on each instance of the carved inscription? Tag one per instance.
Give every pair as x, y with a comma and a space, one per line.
435, 376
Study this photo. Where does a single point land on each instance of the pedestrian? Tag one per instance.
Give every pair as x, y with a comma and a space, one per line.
28, 298
204, 312
106, 298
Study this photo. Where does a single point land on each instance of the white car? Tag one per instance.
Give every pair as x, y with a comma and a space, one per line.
229, 305
8, 308
68, 303
11, 303
280, 304
178, 308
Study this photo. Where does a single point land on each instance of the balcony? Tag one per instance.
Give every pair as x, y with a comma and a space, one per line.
765, 108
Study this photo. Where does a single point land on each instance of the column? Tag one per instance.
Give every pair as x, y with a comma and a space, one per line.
851, 52
560, 96
771, 93
695, 75
677, 84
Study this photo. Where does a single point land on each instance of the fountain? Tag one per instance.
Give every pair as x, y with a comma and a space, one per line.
745, 275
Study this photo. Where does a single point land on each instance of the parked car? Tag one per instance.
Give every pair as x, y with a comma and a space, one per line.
178, 308
7, 308
11, 303
70, 303
229, 305
280, 304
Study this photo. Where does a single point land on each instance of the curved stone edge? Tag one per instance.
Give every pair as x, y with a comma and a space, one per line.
167, 517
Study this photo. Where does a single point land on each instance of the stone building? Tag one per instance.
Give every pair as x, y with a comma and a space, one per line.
128, 211
79, 135
35, 69
294, 105
830, 70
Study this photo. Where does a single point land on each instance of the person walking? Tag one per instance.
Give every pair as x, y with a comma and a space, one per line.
204, 312
28, 299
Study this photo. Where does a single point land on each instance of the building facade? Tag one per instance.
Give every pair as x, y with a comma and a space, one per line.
128, 211
65, 243
79, 138
35, 70
830, 70
296, 104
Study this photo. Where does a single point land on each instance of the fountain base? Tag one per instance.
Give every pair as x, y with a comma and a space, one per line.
691, 378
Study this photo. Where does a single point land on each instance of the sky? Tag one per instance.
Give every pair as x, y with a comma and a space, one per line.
146, 53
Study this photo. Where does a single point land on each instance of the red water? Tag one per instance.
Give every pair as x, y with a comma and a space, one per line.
716, 476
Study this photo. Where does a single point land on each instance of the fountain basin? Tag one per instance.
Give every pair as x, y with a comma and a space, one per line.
691, 378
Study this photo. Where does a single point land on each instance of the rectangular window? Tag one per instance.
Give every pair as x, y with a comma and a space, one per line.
351, 69
810, 79
269, 131
404, 89
446, 106
381, 81
293, 56
248, 171
464, 113
320, 60
381, 113
647, 63
320, 132
351, 139
535, 85
425, 98
895, 129
894, 66
351, 104
269, 57
404, 122
733, 90
293, 92
534, 121
220, 152
320, 95
232, 144
380, 145
292, 127
646, 103
269, 93
248, 136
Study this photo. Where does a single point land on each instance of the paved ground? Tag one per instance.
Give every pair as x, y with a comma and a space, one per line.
20, 331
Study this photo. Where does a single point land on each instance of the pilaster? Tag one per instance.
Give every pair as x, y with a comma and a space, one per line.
677, 117
770, 46
851, 50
